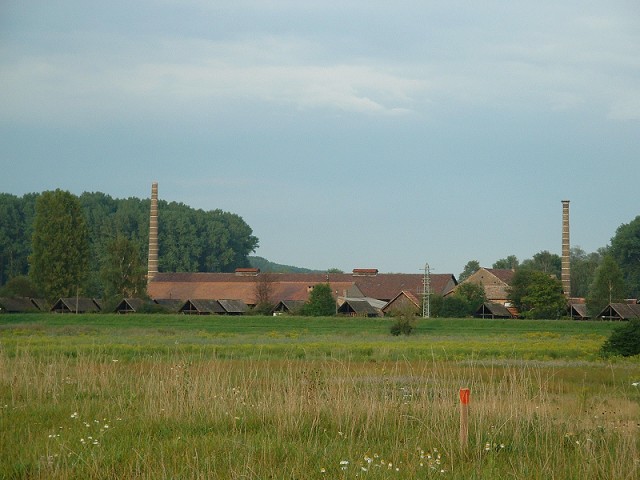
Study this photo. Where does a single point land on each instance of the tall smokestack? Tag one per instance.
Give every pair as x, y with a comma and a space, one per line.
153, 234
566, 250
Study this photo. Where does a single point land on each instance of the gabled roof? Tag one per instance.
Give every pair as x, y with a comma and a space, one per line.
130, 305
288, 306
492, 310
233, 306
359, 306
41, 304
18, 305
504, 274
620, 311
76, 304
202, 307
578, 311
495, 281
401, 300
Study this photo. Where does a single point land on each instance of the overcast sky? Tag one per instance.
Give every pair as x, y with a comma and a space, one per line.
350, 134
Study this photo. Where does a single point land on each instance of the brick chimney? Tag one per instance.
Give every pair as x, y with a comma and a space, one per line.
566, 250
152, 266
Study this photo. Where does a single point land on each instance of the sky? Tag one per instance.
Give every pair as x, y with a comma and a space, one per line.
350, 134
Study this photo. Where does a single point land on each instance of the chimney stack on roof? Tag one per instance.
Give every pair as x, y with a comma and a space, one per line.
365, 272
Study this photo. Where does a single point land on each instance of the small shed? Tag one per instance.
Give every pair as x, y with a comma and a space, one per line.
405, 300
493, 310
76, 305
361, 307
233, 307
18, 305
620, 311
288, 307
131, 305
578, 311
201, 307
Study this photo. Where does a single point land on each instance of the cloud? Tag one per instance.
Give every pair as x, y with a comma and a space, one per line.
197, 74
567, 61
626, 107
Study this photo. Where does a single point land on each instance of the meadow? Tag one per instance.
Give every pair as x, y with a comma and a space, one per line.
144, 396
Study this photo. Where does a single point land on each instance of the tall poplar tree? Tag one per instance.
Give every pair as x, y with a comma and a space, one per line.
123, 272
625, 249
608, 286
60, 245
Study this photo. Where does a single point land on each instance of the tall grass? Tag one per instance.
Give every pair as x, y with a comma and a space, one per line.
171, 415
138, 336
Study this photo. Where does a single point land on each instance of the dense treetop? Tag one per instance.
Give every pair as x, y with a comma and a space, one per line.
190, 239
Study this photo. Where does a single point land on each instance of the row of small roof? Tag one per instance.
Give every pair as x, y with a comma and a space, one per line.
577, 311
126, 305
363, 306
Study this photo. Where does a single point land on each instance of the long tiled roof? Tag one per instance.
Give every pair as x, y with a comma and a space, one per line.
291, 286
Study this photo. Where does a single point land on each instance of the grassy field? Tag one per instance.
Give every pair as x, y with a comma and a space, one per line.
106, 396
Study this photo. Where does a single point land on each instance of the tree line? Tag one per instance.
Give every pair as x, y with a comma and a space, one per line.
55, 244
609, 275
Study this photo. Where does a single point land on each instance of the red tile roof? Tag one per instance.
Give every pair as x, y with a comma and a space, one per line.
291, 286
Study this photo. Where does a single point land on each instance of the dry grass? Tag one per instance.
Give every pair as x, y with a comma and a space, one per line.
170, 416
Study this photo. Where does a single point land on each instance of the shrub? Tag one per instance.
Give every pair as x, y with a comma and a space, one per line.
404, 324
624, 340
321, 302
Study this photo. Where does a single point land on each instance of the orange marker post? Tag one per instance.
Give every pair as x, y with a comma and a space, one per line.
465, 393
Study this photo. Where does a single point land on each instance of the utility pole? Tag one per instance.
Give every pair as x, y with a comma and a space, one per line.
426, 292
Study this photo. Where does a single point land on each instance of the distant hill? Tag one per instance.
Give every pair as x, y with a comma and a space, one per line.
269, 267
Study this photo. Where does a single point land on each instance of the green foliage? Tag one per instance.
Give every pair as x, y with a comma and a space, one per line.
402, 326
151, 307
123, 272
435, 305
404, 322
470, 268
321, 302
20, 286
16, 227
509, 263
199, 241
266, 266
537, 294
625, 249
583, 268
473, 294
60, 258
190, 240
624, 340
454, 306
544, 262
607, 287
463, 303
